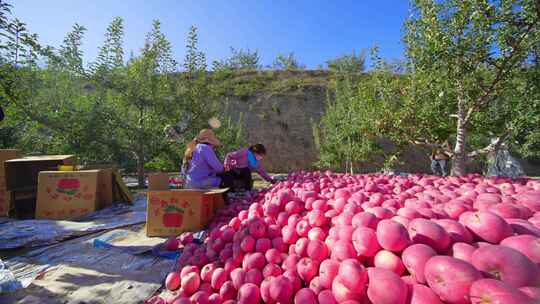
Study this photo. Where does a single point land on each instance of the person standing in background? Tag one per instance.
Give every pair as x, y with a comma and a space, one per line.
439, 159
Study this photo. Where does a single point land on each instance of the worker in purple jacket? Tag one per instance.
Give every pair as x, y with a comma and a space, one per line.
239, 165
201, 166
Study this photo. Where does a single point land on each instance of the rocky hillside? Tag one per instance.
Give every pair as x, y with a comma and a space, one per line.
280, 109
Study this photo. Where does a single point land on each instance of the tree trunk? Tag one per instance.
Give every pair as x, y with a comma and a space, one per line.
140, 170
140, 151
460, 157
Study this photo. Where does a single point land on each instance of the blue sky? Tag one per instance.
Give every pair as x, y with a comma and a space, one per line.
315, 30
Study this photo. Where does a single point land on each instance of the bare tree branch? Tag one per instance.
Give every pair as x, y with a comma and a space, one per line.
491, 147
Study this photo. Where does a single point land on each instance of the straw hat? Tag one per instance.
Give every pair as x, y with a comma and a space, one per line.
208, 136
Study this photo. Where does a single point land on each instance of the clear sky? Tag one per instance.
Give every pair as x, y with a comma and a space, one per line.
315, 30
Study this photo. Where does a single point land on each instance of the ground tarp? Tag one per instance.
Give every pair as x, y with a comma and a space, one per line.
88, 261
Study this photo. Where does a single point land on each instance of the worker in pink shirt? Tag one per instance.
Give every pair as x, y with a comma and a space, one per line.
240, 164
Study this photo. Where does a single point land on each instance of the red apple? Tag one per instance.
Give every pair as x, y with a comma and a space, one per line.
381, 281
305, 295
342, 250
506, 264
249, 293
392, 235
463, 251
190, 283
326, 297
486, 225
227, 291
450, 278
365, 242
280, 289
493, 291
526, 244
387, 260
238, 277
172, 282
457, 232
421, 294
353, 274
415, 258
307, 269
317, 251
328, 271
423, 231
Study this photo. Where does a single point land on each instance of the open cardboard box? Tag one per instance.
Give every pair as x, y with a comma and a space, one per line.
5, 196
171, 212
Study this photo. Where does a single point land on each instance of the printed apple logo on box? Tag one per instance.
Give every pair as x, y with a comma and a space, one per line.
173, 216
68, 186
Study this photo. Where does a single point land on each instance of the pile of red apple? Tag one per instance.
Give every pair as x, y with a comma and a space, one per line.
321, 237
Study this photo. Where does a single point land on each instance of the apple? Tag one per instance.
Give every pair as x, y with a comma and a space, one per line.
328, 271
450, 278
526, 244
227, 291
307, 269
415, 258
486, 225
506, 264
305, 295
456, 231
365, 242
421, 294
249, 293
387, 260
326, 297
172, 281
190, 282
423, 231
352, 274
342, 250
238, 277
392, 235
280, 289
463, 251
381, 281
494, 291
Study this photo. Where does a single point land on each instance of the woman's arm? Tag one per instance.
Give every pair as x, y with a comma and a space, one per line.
260, 170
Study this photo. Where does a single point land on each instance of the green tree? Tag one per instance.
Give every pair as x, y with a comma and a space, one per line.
240, 59
467, 78
287, 62
348, 64
463, 57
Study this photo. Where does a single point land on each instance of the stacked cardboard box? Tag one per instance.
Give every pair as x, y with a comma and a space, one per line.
5, 196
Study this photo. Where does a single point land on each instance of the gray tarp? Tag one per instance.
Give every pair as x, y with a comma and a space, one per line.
35, 233
74, 266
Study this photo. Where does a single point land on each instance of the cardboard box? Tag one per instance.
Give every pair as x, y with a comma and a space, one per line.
66, 195
6, 154
158, 181
218, 199
105, 188
5, 199
24, 172
169, 213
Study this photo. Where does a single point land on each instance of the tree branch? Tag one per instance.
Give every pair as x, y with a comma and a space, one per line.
494, 146
501, 72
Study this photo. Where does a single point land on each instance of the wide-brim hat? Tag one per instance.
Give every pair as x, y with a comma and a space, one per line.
208, 136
